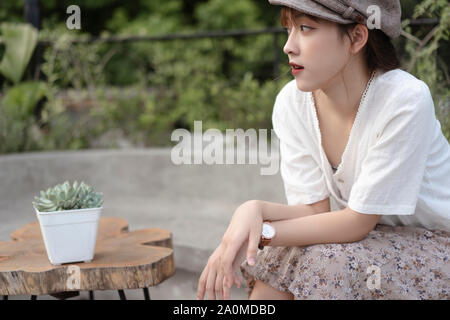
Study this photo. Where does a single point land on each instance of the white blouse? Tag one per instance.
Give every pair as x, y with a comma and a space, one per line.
396, 162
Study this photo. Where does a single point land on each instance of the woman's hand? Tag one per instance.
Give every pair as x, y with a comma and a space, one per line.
212, 279
239, 241
244, 232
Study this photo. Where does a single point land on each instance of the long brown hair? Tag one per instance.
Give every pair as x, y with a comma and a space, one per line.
379, 50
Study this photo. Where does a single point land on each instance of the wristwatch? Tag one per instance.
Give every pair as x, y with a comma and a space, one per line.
267, 234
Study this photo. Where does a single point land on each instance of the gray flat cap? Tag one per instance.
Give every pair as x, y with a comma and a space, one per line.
350, 11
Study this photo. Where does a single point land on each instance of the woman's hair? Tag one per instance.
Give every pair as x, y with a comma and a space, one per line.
379, 51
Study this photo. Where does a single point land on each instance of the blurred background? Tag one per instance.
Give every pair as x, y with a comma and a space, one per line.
99, 105
126, 79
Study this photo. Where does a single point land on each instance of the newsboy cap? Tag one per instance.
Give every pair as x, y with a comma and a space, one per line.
350, 11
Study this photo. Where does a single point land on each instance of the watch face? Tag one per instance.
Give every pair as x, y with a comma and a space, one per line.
268, 231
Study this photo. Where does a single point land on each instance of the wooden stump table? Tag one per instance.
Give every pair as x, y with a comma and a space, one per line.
122, 260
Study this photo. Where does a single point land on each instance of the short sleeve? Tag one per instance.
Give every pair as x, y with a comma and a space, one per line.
393, 170
303, 180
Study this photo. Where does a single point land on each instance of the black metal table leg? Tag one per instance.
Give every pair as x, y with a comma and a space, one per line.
146, 294
91, 295
122, 295
33, 297
65, 295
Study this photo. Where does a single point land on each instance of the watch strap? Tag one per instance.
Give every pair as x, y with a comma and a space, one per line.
264, 241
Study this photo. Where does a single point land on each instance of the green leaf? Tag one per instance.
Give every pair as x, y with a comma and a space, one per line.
19, 101
20, 41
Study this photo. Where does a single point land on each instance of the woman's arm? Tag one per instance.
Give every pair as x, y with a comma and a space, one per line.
276, 211
340, 226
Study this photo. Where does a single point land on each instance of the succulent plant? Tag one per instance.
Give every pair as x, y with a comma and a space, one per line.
66, 197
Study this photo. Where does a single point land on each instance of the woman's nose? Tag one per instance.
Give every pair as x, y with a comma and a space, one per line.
290, 47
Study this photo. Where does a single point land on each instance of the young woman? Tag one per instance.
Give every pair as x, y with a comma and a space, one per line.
355, 127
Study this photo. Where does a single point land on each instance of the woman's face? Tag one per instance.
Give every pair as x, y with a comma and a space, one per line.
319, 48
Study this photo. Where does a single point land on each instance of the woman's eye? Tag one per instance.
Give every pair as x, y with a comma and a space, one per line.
302, 27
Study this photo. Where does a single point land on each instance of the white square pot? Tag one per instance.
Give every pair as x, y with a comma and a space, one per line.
69, 235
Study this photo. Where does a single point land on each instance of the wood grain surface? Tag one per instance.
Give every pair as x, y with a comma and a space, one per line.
122, 260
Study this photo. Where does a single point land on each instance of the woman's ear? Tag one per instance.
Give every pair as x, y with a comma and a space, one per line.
359, 36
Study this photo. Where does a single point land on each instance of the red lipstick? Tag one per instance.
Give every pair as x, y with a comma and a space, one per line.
296, 69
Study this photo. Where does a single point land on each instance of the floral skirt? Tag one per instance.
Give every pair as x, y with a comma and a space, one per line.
389, 263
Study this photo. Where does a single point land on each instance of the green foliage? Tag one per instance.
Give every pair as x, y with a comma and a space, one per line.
424, 60
17, 135
25, 127
249, 104
136, 93
11, 11
431, 8
68, 197
19, 101
20, 41
140, 116
21, 130
148, 118
219, 15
